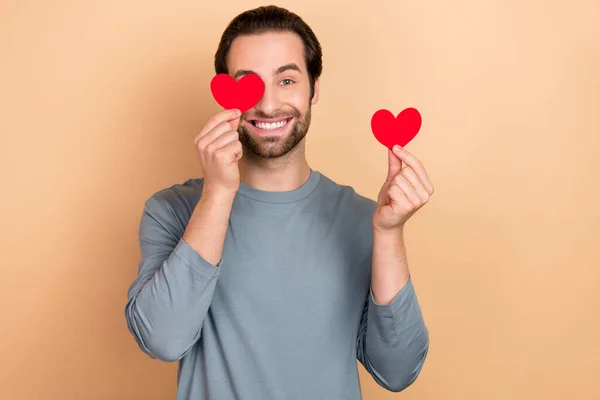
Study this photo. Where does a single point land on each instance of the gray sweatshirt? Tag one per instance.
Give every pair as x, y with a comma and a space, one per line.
288, 309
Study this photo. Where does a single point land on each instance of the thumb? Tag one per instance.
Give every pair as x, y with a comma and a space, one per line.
394, 165
235, 123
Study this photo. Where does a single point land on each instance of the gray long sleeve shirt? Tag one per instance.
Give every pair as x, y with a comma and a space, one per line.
286, 312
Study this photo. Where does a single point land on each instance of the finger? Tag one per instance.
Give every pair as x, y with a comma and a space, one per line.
235, 123
224, 139
398, 198
414, 180
416, 165
408, 189
232, 151
396, 194
220, 117
394, 165
208, 138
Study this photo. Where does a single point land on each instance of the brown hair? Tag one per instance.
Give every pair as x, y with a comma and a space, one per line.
276, 19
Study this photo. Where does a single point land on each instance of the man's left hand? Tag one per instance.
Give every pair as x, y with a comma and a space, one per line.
406, 189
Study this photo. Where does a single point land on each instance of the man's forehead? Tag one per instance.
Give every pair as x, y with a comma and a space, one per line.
267, 54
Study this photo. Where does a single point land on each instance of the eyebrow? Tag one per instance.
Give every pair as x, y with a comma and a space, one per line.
282, 69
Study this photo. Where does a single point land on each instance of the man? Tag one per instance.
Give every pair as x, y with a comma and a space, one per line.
265, 279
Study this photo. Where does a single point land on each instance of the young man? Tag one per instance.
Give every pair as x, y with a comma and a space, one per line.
265, 279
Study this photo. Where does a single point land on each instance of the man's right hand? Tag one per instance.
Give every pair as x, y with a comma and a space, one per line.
219, 150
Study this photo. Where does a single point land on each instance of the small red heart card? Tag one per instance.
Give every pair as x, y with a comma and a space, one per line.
390, 130
243, 94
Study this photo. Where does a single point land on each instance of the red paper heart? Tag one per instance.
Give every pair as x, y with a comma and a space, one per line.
390, 130
243, 94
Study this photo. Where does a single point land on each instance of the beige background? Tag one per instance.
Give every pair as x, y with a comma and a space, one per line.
100, 102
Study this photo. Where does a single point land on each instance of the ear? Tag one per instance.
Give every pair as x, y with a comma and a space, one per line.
316, 95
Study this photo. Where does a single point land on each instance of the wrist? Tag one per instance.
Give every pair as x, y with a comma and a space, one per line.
218, 193
391, 233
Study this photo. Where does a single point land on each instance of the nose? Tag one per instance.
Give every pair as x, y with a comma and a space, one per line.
269, 103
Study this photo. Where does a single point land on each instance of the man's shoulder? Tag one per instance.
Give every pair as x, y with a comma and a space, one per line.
178, 197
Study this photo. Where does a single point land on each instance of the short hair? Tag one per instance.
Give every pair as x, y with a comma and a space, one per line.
272, 19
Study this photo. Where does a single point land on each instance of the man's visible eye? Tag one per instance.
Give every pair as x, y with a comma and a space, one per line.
287, 80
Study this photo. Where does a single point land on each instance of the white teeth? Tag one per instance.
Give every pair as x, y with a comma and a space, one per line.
269, 126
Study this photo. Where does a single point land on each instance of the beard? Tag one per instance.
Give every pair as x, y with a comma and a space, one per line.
275, 146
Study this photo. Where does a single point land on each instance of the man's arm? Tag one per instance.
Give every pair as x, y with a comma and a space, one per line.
393, 340
177, 275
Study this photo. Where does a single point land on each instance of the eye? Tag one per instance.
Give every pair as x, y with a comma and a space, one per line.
287, 80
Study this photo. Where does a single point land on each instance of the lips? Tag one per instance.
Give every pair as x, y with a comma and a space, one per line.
270, 124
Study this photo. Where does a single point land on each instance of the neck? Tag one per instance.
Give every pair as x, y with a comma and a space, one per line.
281, 174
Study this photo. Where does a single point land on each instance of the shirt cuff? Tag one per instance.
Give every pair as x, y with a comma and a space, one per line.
186, 251
402, 298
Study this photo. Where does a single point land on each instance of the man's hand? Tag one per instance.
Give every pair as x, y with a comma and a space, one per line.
219, 150
406, 189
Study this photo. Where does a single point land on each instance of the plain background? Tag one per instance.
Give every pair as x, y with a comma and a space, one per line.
100, 102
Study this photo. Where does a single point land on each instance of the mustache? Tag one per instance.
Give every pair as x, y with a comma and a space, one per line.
277, 115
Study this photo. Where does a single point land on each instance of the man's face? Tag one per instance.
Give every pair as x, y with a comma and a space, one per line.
281, 119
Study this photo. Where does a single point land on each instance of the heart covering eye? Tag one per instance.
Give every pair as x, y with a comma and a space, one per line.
243, 94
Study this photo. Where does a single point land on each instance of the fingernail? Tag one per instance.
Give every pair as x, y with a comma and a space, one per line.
396, 148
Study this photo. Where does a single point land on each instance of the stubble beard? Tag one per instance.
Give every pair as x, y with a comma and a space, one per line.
275, 146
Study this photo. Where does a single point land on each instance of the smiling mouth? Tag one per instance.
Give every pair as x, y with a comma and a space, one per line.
270, 126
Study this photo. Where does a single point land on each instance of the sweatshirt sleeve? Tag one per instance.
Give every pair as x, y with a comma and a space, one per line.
393, 340
169, 299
